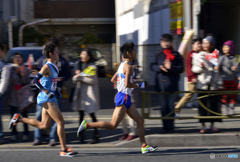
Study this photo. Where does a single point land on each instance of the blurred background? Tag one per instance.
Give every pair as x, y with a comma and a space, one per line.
105, 25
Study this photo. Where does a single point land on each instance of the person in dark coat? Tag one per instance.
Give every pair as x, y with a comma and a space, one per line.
168, 65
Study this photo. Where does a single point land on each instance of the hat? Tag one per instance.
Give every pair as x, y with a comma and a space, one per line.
231, 45
210, 39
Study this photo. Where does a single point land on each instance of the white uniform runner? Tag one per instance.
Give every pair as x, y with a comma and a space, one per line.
124, 93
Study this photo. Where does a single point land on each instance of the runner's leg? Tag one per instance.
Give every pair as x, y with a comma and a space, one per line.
118, 115
134, 114
56, 115
46, 120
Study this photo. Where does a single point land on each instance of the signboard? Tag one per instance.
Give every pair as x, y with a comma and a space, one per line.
176, 17
180, 25
173, 16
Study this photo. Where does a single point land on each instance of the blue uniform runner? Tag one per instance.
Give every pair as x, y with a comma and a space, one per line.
49, 83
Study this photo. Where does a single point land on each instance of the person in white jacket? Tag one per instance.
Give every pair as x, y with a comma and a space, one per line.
208, 79
5, 71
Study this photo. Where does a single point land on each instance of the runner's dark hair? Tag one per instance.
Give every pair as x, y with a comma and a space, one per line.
126, 47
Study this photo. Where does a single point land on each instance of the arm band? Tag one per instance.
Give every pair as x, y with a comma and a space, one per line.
36, 82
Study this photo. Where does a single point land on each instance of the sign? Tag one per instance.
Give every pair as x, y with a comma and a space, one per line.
180, 25
173, 16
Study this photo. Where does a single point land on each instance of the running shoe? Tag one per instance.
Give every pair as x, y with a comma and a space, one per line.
68, 152
148, 149
14, 120
82, 127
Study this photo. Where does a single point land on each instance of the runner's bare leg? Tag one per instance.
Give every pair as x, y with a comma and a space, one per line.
118, 115
134, 114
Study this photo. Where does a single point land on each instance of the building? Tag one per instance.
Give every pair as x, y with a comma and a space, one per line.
142, 22
70, 20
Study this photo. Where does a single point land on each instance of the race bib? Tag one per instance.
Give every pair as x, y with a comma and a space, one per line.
54, 84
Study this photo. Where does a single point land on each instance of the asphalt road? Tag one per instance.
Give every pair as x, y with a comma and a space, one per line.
123, 155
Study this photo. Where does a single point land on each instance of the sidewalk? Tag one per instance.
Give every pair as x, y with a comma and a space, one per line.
186, 132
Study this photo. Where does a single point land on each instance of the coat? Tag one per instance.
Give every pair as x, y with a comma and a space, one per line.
17, 79
167, 81
225, 65
207, 76
86, 93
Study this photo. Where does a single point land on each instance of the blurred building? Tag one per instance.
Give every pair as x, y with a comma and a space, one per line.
69, 19
144, 21
22, 9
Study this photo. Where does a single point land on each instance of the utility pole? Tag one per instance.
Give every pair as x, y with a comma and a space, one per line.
20, 31
10, 37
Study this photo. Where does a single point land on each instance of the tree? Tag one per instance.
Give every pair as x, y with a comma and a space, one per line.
30, 35
89, 38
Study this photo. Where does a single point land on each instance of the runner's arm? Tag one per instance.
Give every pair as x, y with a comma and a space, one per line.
114, 78
127, 70
42, 72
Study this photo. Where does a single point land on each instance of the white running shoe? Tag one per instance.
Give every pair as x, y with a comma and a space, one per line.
148, 149
14, 120
82, 127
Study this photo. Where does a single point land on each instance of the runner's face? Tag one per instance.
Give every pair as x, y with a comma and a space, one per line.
226, 49
134, 54
84, 56
56, 54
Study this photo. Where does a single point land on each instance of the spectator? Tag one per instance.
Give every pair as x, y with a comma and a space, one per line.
168, 65
5, 71
192, 77
64, 75
228, 68
86, 95
129, 135
19, 78
206, 82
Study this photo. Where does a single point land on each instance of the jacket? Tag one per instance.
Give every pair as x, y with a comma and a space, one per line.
5, 77
207, 76
225, 64
167, 81
86, 93
190, 75
17, 79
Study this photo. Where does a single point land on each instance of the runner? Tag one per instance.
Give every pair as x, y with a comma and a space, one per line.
47, 99
123, 78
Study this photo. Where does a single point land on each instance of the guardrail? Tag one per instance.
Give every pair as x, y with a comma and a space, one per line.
146, 97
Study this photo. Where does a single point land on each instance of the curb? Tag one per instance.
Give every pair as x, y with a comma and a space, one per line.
177, 140
186, 140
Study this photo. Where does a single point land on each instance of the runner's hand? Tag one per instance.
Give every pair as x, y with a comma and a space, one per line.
50, 95
58, 94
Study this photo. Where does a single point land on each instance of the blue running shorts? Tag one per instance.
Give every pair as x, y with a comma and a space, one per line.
122, 98
42, 98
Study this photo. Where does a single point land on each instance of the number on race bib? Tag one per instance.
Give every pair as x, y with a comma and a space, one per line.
54, 84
